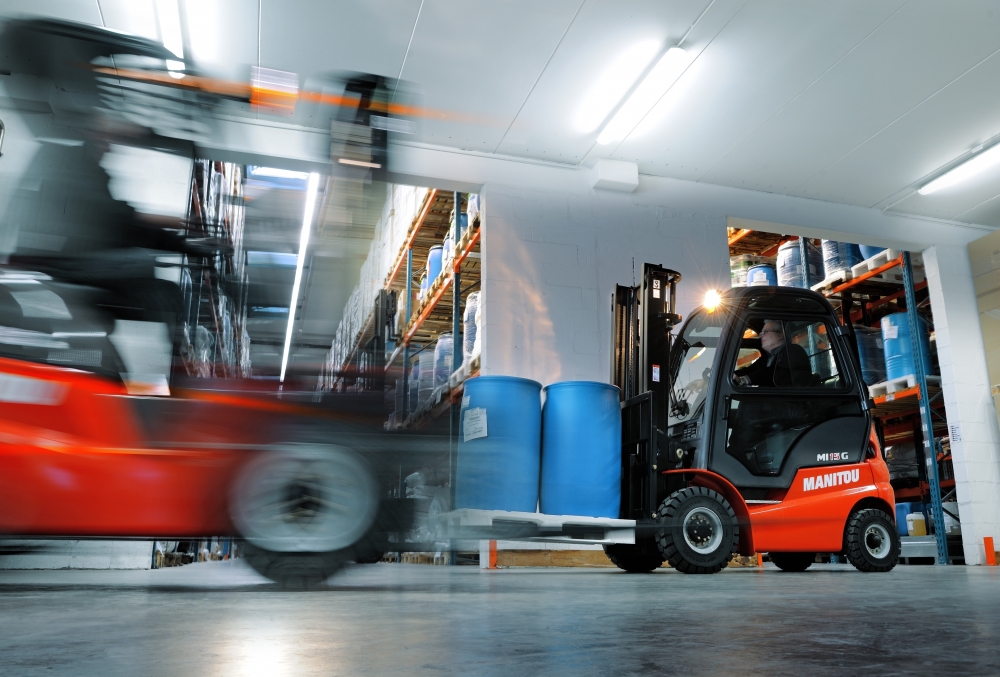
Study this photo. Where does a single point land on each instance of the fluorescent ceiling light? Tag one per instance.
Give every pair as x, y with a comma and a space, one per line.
303, 244
278, 173
966, 170
168, 15
359, 163
663, 75
613, 84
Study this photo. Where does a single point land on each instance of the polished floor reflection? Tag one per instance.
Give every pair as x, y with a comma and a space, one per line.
382, 619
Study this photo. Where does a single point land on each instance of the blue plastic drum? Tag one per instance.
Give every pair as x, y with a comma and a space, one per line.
434, 264
898, 348
581, 449
762, 275
838, 256
499, 444
868, 252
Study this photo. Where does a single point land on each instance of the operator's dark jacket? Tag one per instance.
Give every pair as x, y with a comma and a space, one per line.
787, 365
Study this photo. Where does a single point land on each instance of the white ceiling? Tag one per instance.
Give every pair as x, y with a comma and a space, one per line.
854, 101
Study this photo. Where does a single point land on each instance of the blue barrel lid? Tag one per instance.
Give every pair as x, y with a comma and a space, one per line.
511, 379
580, 384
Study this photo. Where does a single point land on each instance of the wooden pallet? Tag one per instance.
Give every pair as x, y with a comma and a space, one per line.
552, 558
899, 384
433, 558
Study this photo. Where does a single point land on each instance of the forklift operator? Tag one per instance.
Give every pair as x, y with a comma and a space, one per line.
780, 364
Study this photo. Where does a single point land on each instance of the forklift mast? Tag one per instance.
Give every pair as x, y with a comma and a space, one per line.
645, 316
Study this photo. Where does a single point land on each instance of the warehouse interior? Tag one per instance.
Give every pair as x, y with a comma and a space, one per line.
496, 325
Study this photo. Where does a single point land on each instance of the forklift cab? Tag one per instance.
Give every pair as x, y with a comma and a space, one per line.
764, 385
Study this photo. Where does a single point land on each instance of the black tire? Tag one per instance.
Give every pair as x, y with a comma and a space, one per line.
371, 549
295, 570
698, 532
792, 561
871, 541
632, 559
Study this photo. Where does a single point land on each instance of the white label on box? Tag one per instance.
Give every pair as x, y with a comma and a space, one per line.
474, 423
956, 433
465, 401
656, 373
890, 332
656, 293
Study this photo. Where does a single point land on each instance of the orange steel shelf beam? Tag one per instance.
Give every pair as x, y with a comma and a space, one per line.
871, 273
739, 235
425, 312
414, 229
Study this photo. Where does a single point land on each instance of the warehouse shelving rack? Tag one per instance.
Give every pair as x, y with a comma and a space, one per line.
434, 316
214, 286
424, 322
903, 415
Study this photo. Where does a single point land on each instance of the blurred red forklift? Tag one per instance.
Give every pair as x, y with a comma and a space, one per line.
750, 431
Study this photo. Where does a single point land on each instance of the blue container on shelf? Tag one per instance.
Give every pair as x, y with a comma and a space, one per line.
871, 353
904, 509
499, 444
790, 266
762, 275
898, 349
433, 264
839, 256
581, 449
868, 252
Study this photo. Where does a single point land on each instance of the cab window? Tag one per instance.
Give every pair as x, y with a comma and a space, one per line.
777, 353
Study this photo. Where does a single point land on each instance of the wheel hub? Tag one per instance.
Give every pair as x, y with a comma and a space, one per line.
702, 530
877, 541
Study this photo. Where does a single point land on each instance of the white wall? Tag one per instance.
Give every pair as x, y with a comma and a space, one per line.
550, 265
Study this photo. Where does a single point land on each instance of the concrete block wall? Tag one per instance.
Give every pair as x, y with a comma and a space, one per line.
550, 265
972, 417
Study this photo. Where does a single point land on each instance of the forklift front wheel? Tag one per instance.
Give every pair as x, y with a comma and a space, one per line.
872, 541
633, 558
698, 531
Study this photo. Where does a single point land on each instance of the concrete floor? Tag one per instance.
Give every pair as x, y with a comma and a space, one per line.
393, 619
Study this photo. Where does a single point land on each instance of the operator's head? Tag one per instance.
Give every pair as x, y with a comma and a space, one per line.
771, 336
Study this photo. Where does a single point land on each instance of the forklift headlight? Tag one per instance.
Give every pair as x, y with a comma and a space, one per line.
712, 300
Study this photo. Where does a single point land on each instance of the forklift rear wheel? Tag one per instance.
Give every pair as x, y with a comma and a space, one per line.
698, 533
301, 509
632, 558
871, 541
792, 561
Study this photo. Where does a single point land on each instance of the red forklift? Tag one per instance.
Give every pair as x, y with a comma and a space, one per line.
749, 432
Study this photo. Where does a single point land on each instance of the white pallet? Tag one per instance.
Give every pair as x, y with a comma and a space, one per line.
898, 384
839, 277
459, 376
466, 524
893, 275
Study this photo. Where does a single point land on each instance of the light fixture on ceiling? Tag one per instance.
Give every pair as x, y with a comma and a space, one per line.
311, 188
275, 173
652, 88
168, 15
614, 83
359, 163
967, 169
